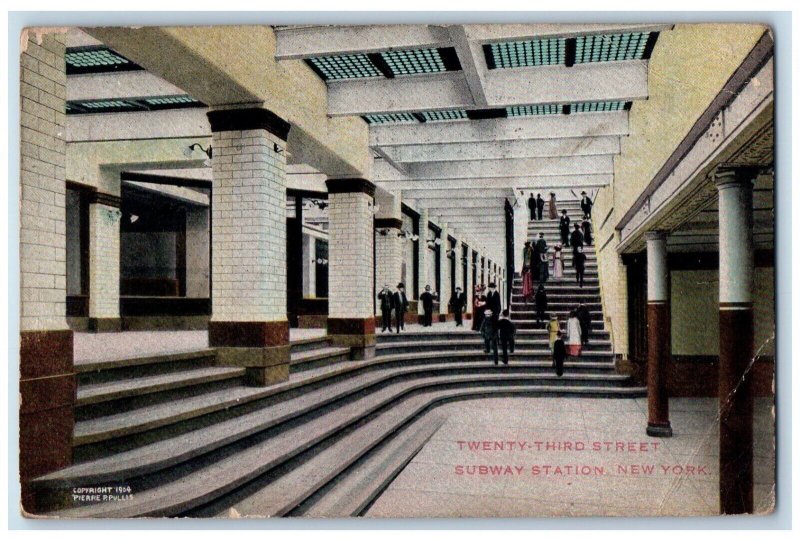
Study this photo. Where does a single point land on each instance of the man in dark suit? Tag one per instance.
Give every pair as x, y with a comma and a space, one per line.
586, 204
559, 354
458, 301
493, 301
386, 299
587, 231
506, 332
563, 227
585, 320
576, 240
532, 206
579, 261
427, 299
539, 206
400, 306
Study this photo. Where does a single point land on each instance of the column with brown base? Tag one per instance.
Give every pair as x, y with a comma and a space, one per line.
658, 335
248, 324
104, 262
444, 274
351, 321
388, 243
736, 263
47, 375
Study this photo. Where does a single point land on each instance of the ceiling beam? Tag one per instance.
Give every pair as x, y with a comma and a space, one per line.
491, 185
575, 146
486, 33
119, 85
576, 165
501, 129
483, 202
473, 64
295, 42
601, 81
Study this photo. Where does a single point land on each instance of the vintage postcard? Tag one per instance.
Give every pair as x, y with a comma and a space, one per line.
407, 271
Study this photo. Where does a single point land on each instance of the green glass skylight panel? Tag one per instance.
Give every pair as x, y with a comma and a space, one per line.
170, 100
353, 66
414, 61
533, 110
105, 104
440, 116
95, 58
520, 54
610, 47
597, 107
390, 118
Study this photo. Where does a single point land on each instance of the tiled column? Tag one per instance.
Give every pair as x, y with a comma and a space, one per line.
351, 315
388, 245
423, 258
104, 262
736, 264
470, 285
658, 335
459, 264
248, 324
46, 372
444, 274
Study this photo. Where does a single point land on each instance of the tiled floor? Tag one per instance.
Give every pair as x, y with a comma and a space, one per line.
123, 345
431, 487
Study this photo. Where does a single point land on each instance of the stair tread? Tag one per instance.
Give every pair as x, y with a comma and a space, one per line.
361, 486
173, 450
213, 480
318, 353
167, 356
90, 392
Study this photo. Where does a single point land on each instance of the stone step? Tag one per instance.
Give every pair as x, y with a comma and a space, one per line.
540, 334
93, 372
476, 344
228, 469
313, 358
95, 393
309, 344
355, 489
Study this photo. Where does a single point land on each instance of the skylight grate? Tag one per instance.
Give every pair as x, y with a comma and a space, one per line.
520, 54
440, 116
95, 57
171, 100
390, 118
611, 47
597, 107
414, 61
105, 104
533, 110
354, 66
152, 103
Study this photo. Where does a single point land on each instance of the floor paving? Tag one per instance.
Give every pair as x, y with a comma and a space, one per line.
628, 474
92, 347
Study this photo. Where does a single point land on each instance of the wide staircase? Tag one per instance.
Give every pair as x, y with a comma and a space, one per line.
175, 435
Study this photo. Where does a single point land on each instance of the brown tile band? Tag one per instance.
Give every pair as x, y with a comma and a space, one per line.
350, 185
253, 118
100, 198
351, 326
390, 223
45, 353
248, 333
41, 394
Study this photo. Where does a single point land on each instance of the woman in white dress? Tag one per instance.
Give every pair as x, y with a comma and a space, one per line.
573, 335
558, 263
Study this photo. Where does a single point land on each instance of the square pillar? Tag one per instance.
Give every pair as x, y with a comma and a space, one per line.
351, 270
444, 274
469, 287
248, 324
46, 371
388, 243
423, 258
104, 262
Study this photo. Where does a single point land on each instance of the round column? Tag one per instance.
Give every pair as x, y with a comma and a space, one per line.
658, 335
736, 263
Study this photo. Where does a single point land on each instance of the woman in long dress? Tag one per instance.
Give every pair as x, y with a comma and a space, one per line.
558, 263
479, 307
573, 335
527, 278
553, 210
553, 326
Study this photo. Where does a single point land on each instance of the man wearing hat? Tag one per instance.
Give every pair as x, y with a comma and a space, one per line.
427, 299
458, 300
386, 298
493, 301
586, 204
400, 306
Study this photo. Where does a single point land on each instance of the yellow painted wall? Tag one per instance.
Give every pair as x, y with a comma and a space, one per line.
695, 312
688, 67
